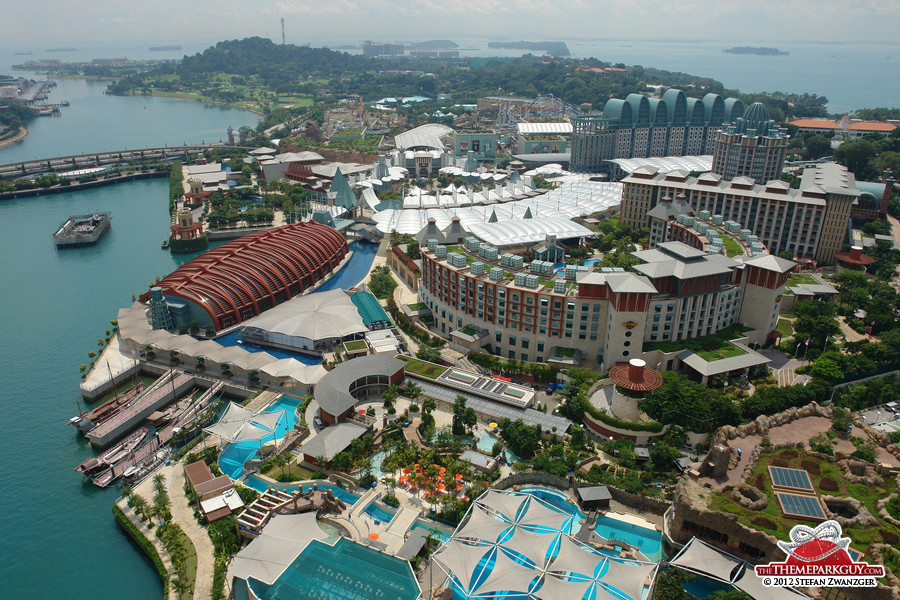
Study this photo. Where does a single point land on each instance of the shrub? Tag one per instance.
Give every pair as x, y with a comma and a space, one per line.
827, 484
811, 466
765, 523
765, 442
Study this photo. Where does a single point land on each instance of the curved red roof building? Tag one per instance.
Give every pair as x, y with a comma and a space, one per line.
244, 277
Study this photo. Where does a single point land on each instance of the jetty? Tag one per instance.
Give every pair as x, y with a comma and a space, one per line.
82, 230
162, 392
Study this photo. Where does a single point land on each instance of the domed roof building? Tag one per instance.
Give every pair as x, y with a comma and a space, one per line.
750, 146
249, 275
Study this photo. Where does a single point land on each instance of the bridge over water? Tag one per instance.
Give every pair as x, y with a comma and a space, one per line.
96, 159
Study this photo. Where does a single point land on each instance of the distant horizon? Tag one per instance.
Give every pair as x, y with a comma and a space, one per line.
761, 22
328, 43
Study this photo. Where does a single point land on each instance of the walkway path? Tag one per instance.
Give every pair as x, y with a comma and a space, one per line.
849, 333
183, 516
144, 528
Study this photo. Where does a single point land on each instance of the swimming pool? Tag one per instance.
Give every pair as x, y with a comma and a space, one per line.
235, 455
486, 442
648, 541
376, 511
260, 485
345, 570
234, 339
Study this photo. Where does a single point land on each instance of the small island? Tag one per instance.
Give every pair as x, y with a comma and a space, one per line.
433, 45
755, 50
551, 48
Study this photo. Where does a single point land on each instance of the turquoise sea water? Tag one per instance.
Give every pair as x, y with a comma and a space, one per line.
59, 536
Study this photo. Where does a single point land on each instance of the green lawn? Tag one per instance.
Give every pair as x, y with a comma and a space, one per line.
709, 348
469, 330
418, 306
799, 278
785, 328
732, 248
423, 368
355, 345
296, 472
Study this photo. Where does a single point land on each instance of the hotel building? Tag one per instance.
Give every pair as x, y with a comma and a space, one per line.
638, 127
532, 312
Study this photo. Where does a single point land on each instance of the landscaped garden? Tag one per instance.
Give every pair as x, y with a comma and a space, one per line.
355, 345
709, 348
423, 368
828, 480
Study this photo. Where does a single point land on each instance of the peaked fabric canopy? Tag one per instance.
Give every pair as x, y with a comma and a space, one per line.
626, 577
483, 526
529, 544
503, 503
699, 557
555, 588
238, 424
508, 575
461, 559
542, 515
266, 557
572, 557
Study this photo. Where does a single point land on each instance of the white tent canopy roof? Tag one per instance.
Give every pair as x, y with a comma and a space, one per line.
461, 559
699, 557
505, 504
283, 539
318, 316
237, 424
482, 525
508, 575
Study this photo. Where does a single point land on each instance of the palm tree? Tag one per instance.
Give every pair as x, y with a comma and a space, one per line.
139, 505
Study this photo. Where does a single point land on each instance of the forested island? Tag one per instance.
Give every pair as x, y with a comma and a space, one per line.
433, 45
761, 50
551, 48
285, 82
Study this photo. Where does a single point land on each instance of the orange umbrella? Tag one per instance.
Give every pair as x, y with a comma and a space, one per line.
442, 470
458, 476
436, 466
440, 486
406, 471
459, 486
404, 479
416, 466
427, 480
373, 536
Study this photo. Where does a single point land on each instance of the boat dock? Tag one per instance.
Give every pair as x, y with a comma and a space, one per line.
161, 393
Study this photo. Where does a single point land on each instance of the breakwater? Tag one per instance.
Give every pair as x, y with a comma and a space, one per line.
87, 185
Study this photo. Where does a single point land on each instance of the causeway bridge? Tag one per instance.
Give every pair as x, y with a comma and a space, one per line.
97, 159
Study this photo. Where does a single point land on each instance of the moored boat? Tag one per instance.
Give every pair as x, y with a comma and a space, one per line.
108, 459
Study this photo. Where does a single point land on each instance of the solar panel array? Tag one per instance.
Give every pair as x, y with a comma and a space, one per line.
798, 505
791, 479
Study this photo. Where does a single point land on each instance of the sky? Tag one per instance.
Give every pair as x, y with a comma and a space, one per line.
347, 21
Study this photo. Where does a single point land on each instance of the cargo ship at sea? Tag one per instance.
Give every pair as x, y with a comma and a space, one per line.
82, 230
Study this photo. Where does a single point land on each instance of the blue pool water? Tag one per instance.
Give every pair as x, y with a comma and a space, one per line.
376, 511
344, 570
234, 339
260, 485
355, 269
648, 541
486, 442
235, 455
702, 587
